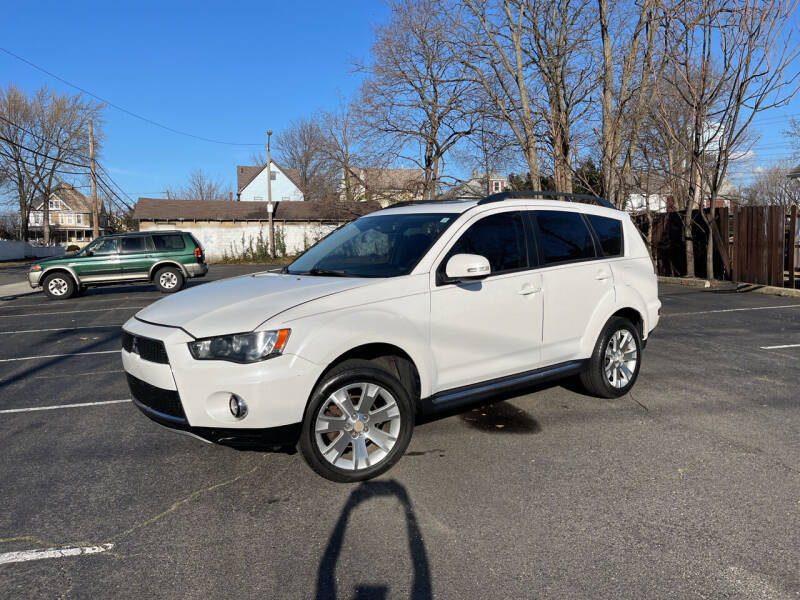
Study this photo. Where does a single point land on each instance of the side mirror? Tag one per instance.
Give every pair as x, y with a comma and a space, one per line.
467, 267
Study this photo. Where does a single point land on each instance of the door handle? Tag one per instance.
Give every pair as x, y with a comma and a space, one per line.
528, 289
601, 276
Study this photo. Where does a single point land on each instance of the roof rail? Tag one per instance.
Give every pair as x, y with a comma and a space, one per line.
528, 195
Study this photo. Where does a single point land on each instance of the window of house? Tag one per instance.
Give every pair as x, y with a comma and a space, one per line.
564, 236
609, 234
70, 219
53, 218
496, 186
499, 238
172, 241
79, 219
273, 175
37, 218
53, 204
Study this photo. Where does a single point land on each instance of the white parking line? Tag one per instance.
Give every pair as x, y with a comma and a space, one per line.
726, 310
780, 347
26, 555
54, 407
67, 312
2, 360
60, 329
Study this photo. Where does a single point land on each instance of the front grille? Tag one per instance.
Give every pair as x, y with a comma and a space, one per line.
146, 348
167, 402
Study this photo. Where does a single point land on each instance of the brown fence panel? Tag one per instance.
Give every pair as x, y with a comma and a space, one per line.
758, 244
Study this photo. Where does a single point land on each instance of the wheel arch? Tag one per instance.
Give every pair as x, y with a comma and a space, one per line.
165, 263
391, 357
63, 269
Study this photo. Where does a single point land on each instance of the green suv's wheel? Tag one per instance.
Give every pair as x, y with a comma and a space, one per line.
58, 286
614, 365
358, 423
169, 280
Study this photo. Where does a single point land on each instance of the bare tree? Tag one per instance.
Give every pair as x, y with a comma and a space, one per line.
415, 93
728, 64
43, 138
489, 40
345, 147
200, 186
771, 186
301, 146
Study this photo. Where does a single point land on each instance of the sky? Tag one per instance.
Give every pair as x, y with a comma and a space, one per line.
227, 71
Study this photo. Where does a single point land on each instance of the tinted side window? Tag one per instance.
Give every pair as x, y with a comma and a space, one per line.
609, 233
564, 236
168, 242
500, 238
132, 244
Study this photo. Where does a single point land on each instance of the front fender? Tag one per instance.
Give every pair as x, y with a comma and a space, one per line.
324, 338
69, 270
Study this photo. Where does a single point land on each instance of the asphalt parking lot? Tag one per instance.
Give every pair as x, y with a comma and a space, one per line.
687, 488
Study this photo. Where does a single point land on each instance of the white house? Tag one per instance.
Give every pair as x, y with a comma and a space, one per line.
251, 184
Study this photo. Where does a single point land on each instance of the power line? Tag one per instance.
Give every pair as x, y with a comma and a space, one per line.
120, 108
45, 155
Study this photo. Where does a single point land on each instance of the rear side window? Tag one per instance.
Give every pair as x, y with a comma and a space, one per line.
609, 234
132, 244
500, 238
168, 241
564, 236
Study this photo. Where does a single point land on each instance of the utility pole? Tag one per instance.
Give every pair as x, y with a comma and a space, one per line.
95, 208
270, 207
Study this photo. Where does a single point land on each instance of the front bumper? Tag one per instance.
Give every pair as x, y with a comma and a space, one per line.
34, 278
196, 269
193, 396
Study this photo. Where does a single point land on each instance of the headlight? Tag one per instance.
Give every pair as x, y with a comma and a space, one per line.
241, 347
36, 267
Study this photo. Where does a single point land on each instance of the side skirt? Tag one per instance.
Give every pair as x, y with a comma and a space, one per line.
452, 398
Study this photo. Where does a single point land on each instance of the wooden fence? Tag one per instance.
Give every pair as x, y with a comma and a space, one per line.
753, 244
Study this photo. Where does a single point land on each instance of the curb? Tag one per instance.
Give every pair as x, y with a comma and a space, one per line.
694, 282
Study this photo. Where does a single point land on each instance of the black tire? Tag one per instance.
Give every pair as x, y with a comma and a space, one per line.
606, 375
58, 286
355, 373
81, 290
169, 280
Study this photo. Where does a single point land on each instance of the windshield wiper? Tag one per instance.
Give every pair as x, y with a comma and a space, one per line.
327, 272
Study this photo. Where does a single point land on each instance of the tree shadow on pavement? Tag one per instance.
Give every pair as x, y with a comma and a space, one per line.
326, 575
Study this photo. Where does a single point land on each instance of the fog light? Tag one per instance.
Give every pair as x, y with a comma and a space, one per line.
238, 407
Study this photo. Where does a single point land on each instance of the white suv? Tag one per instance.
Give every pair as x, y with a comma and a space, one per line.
407, 311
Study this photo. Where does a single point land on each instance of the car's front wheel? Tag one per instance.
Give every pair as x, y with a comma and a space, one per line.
58, 286
169, 280
358, 423
615, 362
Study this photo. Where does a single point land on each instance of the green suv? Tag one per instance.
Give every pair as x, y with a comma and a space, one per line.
167, 258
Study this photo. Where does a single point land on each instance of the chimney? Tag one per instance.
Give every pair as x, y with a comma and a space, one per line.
230, 196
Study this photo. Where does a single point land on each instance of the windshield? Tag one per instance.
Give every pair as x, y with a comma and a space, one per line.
379, 246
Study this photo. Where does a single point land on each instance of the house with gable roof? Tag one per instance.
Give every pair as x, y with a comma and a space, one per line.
70, 216
251, 184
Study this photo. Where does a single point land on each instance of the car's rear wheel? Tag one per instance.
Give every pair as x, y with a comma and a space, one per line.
358, 423
615, 362
58, 286
169, 280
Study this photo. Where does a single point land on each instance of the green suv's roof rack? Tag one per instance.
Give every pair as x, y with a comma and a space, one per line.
530, 195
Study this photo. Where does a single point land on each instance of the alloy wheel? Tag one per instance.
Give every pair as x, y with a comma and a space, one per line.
57, 286
357, 426
168, 280
621, 357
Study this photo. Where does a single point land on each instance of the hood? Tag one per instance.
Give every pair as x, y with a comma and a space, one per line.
242, 303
